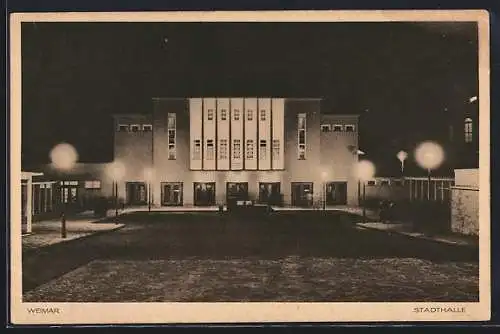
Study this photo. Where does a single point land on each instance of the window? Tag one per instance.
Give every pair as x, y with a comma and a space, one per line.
171, 131
468, 130
197, 149
371, 183
301, 134
237, 149
223, 149
326, 127
337, 128
250, 149
210, 149
123, 128
236, 115
276, 149
210, 114
384, 183
349, 128
249, 115
262, 115
262, 150
147, 127
135, 128
69, 183
92, 184
223, 114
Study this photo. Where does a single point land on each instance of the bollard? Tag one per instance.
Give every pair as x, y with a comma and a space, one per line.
63, 226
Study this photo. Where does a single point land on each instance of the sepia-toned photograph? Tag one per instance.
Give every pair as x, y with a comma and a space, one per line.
246, 166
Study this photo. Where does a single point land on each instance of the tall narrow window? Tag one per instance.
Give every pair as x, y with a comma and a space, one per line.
468, 130
249, 115
236, 115
223, 149
262, 150
276, 149
301, 134
237, 149
171, 131
210, 114
262, 115
223, 114
197, 149
250, 149
210, 149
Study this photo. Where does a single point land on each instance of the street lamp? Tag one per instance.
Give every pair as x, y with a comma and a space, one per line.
324, 175
148, 176
365, 171
402, 156
63, 157
429, 155
116, 171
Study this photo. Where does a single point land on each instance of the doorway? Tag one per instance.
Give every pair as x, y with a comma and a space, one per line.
204, 193
302, 194
236, 191
171, 194
136, 193
336, 193
269, 193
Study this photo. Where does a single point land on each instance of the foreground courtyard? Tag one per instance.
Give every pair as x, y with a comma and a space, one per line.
168, 257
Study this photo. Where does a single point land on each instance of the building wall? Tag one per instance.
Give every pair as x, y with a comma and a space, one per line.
465, 202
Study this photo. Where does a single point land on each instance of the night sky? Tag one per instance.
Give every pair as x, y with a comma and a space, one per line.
403, 78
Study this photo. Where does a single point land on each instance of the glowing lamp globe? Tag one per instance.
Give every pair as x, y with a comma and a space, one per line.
402, 155
429, 155
365, 170
63, 156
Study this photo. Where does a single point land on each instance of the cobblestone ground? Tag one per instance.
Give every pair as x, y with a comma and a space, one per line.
206, 257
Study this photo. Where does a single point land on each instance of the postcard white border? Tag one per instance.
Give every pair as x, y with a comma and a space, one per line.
117, 313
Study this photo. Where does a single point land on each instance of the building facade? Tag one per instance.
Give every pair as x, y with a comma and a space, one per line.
210, 151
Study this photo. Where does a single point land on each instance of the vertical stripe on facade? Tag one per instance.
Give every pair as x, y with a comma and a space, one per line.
196, 131
278, 131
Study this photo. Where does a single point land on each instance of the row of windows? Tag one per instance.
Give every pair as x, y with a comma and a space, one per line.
135, 127
236, 149
236, 115
337, 128
301, 134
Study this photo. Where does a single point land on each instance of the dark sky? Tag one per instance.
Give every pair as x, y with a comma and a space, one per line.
75, 75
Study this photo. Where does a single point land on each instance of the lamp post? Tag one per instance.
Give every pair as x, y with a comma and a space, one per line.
365, 172
429, 155
148, 176
402, 156
324, 175
63, 157
116, 171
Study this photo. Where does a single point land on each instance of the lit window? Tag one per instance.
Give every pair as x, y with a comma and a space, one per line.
326, 127
337, 128
210, 149
147, 127
468, 130
262, 150
210, 114
276, 149
250, 149
237, 149
171, 131
69, 183
301, 134
262, 115
349, 128
236, 115
223, 114
123, 128
249, 115
135, 128
92, 184
223, 149
197, 149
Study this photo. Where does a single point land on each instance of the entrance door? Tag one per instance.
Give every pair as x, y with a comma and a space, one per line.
269, 193
204, 193
171, 193
136, 193
336, 193
236, 191
302, 194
